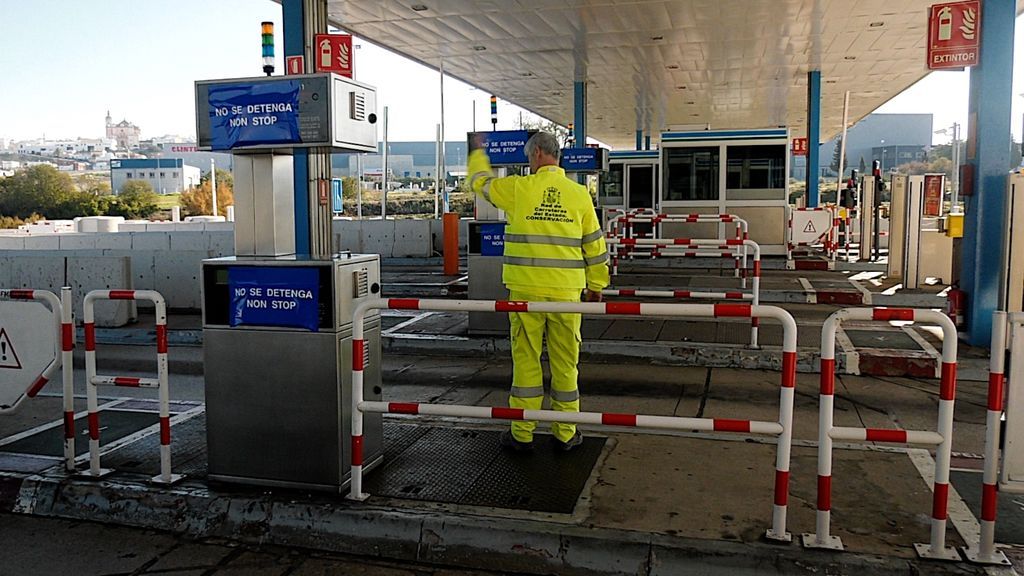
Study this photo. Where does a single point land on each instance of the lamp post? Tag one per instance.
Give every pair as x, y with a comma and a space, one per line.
954, 197
882, 166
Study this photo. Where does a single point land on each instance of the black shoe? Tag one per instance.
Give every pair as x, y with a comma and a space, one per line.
573, 442
509, 442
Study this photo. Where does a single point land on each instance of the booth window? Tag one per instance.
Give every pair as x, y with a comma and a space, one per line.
691, 174
755, 172
611, 186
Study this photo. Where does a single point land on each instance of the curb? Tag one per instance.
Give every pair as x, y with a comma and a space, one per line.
525, 546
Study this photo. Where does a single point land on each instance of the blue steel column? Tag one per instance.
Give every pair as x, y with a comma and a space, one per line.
647, 141
639, 139
295, 45
813, 135
989, 130
579, 93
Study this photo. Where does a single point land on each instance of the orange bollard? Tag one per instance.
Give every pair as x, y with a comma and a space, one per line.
450, 224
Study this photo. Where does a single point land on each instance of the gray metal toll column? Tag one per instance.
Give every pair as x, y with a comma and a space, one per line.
277, 326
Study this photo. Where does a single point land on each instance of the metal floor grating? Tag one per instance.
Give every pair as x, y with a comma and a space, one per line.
464, 466
188, 451
885, 339
114, 425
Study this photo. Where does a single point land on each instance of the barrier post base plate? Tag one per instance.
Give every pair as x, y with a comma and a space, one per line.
159, 479
829, 543
997, 557
362, 497
925, 551
87, 473
773, 536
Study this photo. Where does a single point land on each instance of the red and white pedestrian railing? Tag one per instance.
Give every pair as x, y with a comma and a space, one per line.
783, 429
827, 238
754, 295
622, 227
985, 552
160, 382
62, 360
942, 438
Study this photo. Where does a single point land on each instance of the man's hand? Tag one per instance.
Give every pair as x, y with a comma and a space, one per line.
477, 141
591, 296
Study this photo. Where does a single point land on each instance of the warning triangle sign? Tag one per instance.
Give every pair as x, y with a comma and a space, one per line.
8, 357
809, 229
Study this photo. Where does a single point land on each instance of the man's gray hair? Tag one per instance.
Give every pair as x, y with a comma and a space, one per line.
543, 141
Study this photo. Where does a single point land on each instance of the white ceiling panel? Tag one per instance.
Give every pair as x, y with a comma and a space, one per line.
652, 64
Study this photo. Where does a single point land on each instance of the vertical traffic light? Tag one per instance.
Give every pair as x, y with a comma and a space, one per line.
494, 112
268, 47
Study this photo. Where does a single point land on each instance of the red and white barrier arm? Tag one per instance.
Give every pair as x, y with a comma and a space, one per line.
677, 294
942, 437
595, 418
742, 228
783, 428
161, 382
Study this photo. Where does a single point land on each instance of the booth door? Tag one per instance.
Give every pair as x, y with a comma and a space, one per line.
640, 181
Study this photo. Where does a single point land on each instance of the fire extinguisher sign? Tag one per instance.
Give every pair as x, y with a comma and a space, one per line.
333, 53
954, 35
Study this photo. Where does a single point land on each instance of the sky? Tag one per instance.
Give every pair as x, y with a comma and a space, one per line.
139, 59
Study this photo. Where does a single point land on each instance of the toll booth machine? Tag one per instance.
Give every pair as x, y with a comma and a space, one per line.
739, 172
277, 325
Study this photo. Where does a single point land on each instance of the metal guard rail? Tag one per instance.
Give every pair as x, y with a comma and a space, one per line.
783, 428
942, 438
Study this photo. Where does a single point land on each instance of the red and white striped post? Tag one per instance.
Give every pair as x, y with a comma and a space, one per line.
67, 331
61, 309
942, 438
161, 382
985, 552
783, 428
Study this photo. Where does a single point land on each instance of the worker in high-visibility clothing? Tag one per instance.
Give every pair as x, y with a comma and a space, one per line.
554, 252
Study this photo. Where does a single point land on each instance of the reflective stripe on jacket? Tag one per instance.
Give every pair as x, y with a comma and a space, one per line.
553, 239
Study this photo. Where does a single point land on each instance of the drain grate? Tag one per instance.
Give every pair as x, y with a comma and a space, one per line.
462, 466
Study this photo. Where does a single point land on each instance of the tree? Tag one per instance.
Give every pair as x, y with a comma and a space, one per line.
198, 201
37, 189
94, 184
136, 200
223, 177
835, 157
348, 187
544, 125
862, 167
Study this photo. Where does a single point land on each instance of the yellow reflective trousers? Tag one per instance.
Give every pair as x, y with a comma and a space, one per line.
562, 332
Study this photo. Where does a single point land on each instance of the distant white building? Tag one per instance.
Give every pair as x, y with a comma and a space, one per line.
124, 133
165, 175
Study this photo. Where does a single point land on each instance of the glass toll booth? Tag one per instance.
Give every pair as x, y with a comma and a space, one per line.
740, 172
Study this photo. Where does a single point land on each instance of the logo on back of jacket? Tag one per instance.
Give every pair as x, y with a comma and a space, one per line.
550, 209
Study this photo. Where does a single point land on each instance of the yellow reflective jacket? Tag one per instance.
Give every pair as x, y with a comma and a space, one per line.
554, 243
